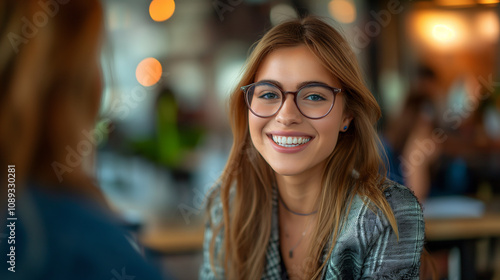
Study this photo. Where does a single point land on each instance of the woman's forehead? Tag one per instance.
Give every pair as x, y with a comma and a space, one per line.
292, 66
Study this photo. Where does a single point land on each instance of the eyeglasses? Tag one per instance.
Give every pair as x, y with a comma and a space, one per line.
314, 100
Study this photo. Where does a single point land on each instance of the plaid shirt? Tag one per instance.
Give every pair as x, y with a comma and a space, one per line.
366, 248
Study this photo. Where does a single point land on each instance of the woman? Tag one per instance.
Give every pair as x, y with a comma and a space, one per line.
302, 195
49, 99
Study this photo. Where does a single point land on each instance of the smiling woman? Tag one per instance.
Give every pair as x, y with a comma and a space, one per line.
302, 195
298, 164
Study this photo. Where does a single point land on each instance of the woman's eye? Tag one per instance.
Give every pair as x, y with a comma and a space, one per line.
268, 95
315, 97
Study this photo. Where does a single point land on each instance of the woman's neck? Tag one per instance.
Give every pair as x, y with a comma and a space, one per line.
300, 192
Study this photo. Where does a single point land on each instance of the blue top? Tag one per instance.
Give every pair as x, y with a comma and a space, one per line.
366, 248
61, 236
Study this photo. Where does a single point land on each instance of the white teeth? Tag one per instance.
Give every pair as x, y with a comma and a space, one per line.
290, 141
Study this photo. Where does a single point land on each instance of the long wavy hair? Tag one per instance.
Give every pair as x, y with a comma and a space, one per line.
353, 168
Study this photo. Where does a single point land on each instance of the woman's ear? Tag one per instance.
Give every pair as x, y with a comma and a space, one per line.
346, 121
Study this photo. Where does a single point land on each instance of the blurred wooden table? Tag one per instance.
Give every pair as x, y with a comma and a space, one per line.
174, 240
178, 239
463, 228
463, 233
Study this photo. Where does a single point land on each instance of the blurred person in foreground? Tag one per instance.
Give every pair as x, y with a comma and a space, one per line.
303, 195
50, 94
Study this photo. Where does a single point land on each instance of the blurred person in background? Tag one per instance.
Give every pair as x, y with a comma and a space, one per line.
50, 81
408, 134
428, 149
302, 195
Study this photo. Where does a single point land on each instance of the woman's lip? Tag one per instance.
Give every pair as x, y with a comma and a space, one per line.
288, 133
288, 150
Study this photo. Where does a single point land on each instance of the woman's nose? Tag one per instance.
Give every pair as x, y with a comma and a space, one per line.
289, 113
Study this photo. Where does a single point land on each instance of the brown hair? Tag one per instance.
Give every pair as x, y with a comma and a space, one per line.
246, 222
50, 87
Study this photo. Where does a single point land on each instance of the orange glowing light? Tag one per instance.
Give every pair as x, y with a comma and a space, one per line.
488, 1
148, 72
342, 10
161, 10
443, 33
444, 30
455, 2
488, 26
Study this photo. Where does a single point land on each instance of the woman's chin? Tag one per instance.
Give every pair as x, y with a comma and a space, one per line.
287, 170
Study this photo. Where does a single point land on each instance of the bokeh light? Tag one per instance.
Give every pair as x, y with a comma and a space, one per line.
443, 30
161, 10
443, 33
456, 3
148, 72
487, 26
342, 10
488, 1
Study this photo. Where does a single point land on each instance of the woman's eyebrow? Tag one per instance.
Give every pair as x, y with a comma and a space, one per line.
299, 85
302, 84
274, 82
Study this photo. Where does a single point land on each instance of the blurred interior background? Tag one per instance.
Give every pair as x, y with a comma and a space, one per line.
433, 66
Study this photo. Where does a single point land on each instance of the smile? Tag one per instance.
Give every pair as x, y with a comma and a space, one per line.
289, 142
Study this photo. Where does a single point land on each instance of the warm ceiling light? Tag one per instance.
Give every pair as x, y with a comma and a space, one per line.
456, 2
161, 10
443, 33
488, 1
444, 30
342, 10
148, 72
488, 26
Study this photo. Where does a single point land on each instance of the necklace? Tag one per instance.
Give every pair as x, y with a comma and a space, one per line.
290, 252
293, 212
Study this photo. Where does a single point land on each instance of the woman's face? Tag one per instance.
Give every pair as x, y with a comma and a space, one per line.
290, 67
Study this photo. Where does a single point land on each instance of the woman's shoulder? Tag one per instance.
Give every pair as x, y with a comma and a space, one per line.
400, 197
367, 237
365, 216
213, 204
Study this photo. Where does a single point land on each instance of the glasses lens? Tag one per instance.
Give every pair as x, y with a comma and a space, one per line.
315, 101
264, 99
